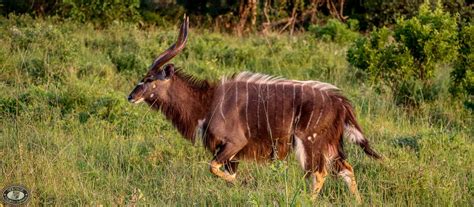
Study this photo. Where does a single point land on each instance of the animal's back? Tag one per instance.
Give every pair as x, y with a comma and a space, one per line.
271, 110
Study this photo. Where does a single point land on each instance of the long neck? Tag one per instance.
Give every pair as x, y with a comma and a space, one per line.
188, 100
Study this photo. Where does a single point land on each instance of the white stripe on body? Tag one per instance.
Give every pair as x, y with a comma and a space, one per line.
236, 94
222, 101
247, 108
322, 96
322, 110
267, 79
297, 120
292, 110
259, 98
269, 128
311, 115
262, 79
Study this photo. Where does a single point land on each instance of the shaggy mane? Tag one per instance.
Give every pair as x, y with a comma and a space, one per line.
194, 82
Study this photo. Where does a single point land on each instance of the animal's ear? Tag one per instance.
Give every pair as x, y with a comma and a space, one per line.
166, 73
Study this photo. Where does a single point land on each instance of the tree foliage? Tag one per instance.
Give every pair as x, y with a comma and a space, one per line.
336, 31
405, 59
102, 11
462, 84
239, 16
378, 13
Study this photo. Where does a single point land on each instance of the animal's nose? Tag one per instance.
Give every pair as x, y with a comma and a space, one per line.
130, 99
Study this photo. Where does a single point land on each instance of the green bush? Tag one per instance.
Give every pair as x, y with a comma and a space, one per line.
405, 59
335, 31
431, 37
377, 13
102, 11
462, 76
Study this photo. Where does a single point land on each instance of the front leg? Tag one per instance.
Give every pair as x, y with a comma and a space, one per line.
215, 169
231, 166
224, 156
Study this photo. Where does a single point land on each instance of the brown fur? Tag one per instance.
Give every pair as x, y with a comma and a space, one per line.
256, 117
275, 118
188, 100
257, 120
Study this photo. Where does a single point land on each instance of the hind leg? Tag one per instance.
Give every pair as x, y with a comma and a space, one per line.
312, 162
318, 181
344, 169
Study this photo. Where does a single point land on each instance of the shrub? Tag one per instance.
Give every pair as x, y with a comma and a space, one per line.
378, 13
462, 76
405, 59
35, 69
335, 31
430, 37
102, 11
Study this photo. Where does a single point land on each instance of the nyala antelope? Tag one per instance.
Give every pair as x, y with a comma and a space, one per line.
256, 117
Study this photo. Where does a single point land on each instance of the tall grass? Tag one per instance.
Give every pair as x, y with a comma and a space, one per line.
69, 135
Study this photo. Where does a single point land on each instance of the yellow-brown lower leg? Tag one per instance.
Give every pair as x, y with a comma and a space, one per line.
318, 181
215, 169
347, 173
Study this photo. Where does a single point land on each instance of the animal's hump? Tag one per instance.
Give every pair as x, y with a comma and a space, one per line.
259, 78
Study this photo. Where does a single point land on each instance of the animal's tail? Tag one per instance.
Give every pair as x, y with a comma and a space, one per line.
353, 132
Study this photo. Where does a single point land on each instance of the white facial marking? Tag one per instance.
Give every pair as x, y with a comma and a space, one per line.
139, 84
151, 95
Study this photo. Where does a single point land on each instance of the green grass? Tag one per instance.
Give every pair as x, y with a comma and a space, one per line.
68, 133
